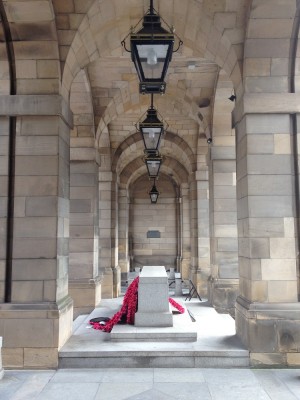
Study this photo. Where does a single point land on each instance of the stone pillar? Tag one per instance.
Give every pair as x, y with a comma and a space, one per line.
110, 280
37, 320
194, 231
267, 310
123, 234
186, 232
199, 192
223, 283
179, 226
84, 279
115, 238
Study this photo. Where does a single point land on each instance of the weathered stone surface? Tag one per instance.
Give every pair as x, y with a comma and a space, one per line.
154, 309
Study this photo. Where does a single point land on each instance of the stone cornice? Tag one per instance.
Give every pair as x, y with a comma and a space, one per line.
266, 103
36, 105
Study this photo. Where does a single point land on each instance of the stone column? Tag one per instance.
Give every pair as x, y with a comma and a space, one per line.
199, 192
194, 230
110, 281
186, 232
267, 310
123, 234
84, 279
37, 320
115, 238
223, 283
179, 234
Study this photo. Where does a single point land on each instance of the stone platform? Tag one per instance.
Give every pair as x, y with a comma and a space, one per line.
183, 330
216, 346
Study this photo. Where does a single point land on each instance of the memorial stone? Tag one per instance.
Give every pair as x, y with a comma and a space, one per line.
153, 298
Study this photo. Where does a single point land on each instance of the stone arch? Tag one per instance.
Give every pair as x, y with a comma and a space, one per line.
267, 46
202, 34
82, 107
35, 47
6, 64
133, 145
177, 102
137, 168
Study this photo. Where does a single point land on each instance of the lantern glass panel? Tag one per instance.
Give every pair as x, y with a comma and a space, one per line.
152, 58
151, 136
153, 167
153, 197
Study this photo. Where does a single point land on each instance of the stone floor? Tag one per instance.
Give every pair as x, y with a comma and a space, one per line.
152, 383
217, 344
216, 334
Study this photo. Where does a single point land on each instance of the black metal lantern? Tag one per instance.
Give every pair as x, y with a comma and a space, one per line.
151, 129
153, 162
151, 52
154, 193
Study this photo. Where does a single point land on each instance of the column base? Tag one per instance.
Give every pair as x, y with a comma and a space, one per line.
270, 331
34, 333
86, 295
222, 294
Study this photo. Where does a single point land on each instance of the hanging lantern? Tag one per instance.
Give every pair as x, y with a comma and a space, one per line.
153, 163
154, 193
151, 52
151, 129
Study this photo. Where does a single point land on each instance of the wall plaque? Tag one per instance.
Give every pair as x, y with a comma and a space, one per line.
153, 234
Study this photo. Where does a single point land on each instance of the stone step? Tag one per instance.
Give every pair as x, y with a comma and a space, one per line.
183, 330
154, 359
217, 345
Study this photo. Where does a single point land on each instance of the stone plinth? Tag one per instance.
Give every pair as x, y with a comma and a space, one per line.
1, 368
153, 298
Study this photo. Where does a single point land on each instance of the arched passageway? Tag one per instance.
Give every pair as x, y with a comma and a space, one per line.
77, 190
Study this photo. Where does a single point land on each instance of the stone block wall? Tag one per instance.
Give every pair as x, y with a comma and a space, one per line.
159, 217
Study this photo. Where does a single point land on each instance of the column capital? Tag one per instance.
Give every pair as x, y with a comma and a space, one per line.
266, 103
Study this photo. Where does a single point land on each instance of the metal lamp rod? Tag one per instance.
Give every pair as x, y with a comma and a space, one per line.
151, 100
151, 6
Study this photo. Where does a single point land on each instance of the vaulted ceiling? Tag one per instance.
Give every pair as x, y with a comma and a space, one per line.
98, 77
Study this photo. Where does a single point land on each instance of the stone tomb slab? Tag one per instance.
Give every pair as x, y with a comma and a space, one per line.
153, 298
